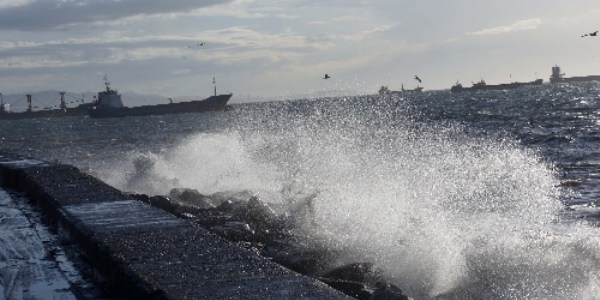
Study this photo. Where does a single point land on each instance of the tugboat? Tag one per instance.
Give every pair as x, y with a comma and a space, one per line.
109, 105
558, 77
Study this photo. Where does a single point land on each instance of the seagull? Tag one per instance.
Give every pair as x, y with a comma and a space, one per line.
326, 76
418, 79
595, 33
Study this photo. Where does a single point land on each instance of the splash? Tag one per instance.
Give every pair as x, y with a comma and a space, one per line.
209, 163
447, 213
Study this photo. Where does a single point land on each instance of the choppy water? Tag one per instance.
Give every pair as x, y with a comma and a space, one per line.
480, 195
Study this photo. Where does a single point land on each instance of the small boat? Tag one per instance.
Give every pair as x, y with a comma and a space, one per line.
109, 105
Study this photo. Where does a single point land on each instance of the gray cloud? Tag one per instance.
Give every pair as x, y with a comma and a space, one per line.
44, 15
521, 25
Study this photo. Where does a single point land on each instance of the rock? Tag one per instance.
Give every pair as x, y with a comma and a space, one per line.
220, 197
354, 289
361, 281
263, 219
254, 225
359, 272
259, 212
231, 207
212, 217
299, 262
163, 203
191, 197
234, 231
386, 291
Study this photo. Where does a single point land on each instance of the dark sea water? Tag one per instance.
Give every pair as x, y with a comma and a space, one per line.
475, 195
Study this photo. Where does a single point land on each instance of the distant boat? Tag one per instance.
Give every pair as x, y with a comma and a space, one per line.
384, 90
483, 86
558, 77
109, 105
7, 114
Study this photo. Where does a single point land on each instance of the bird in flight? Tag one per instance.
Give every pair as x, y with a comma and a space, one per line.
200, 44
595, 33
326, 76
418, 79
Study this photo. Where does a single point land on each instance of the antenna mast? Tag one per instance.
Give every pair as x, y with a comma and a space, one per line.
215, 84
106, 83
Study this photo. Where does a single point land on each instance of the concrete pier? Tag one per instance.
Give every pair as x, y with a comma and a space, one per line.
144, 252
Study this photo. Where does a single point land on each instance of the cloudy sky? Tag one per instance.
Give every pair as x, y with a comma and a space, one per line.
281, 49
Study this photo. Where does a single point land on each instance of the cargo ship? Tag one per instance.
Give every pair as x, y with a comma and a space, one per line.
384, 90
7, 114
483, 86
558, 77
109, 105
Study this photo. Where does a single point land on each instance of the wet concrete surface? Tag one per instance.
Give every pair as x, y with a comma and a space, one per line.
140, 251
33, 262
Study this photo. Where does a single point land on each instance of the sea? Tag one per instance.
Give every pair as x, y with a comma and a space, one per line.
472, 195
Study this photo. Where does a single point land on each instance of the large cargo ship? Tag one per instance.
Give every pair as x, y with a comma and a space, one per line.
7, 114
384, 90
558, 77
483, 86
109, 105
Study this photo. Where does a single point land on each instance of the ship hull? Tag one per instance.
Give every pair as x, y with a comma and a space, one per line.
489, 87
32, 114
385, 91
80, 110
212, 103
575, 79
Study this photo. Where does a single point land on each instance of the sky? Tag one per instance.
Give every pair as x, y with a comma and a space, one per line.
281, 49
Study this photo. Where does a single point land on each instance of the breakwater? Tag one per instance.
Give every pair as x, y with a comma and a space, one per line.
145, 252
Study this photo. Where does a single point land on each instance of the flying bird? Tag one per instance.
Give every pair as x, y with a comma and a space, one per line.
595, 33
326, 76
418, 79
200, 44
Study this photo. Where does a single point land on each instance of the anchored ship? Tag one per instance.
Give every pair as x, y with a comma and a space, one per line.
483, 86
7, 114
558, 77
109, 104
384, 90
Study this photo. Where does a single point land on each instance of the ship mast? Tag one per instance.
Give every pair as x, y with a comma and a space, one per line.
106, 83
29, 108
63, 104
